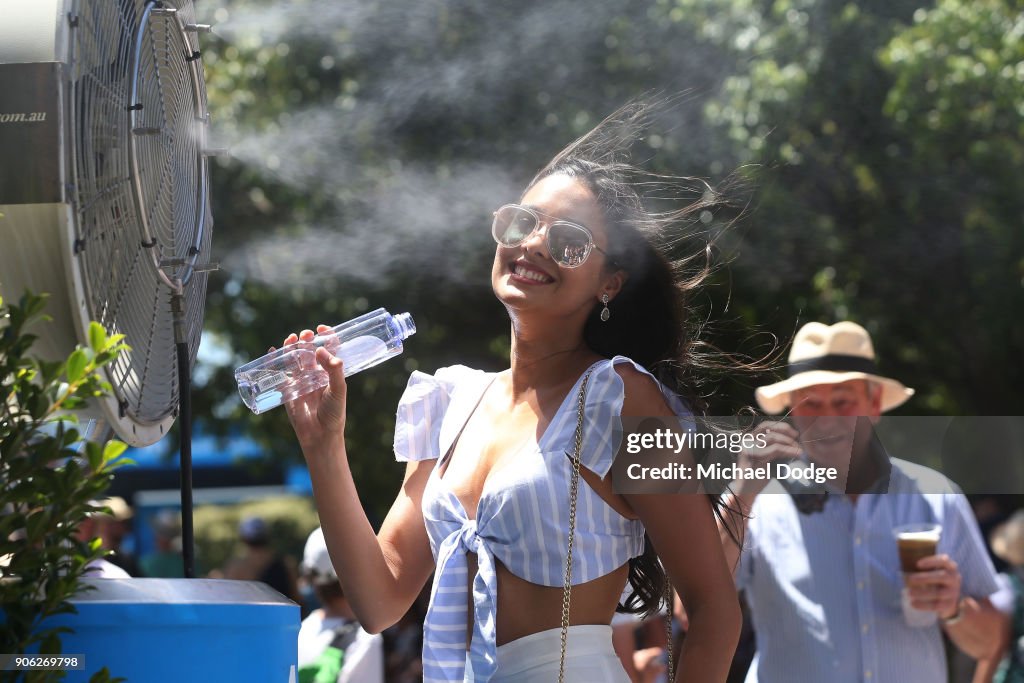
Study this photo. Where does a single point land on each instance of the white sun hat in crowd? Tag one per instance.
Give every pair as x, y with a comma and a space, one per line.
1007, 539
830, 354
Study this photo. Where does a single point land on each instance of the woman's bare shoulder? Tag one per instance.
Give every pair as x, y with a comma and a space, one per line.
642, 395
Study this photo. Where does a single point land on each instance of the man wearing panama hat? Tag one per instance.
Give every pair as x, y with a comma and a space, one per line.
825, 587
829, 355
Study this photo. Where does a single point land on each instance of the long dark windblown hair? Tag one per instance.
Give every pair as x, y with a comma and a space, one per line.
651, 320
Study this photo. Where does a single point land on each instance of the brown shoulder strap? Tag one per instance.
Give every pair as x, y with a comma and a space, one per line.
451, 449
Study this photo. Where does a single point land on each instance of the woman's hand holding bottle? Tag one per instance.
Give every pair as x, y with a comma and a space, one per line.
318, 418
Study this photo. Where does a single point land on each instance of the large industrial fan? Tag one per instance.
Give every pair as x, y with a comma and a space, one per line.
104, 199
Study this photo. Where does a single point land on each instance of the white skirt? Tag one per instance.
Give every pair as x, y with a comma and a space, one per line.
589, 657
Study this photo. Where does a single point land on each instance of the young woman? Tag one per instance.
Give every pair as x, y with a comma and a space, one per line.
486, 499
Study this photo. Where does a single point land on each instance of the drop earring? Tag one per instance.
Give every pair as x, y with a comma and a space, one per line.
605, 313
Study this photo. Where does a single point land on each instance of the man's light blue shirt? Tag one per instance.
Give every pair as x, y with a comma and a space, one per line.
824, 588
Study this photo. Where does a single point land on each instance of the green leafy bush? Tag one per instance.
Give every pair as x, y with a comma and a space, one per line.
49, 476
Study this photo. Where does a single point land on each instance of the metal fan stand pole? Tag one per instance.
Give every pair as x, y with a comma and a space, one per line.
147, 72
185, 422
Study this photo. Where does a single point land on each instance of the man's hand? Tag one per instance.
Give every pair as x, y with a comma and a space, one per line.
781, 443
936, 588
649, 664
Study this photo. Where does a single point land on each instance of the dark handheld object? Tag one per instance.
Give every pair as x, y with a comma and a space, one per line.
809, 497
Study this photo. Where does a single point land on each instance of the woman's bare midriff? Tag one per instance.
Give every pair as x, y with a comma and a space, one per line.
525, 608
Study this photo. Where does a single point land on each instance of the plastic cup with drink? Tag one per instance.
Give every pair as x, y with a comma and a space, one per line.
915, 542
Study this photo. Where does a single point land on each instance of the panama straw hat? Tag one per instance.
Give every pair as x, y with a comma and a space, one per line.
1008, 539
119, 508
830, 354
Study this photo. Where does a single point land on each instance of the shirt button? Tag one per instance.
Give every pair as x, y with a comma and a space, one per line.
856, 541
867, 674
864, 628
860, 585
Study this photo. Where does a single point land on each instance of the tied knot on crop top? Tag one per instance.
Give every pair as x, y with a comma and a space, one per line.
522, 518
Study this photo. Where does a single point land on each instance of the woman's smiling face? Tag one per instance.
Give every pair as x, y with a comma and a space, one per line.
525, 277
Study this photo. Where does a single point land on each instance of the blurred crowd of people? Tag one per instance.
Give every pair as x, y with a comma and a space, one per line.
329, 625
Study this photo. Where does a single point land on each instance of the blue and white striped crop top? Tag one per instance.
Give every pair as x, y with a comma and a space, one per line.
522, 520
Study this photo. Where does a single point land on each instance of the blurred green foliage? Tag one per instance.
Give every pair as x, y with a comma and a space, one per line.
372, 140
50, 478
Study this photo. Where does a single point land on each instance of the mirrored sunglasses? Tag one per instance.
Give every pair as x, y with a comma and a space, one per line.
568, 243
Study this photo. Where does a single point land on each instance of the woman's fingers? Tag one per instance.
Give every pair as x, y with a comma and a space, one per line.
327, 407
305, 335
335, 369
332, 408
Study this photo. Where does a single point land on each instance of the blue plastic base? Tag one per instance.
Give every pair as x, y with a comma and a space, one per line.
175, 630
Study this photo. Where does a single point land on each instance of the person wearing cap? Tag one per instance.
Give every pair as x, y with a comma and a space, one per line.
112, 527
100, 568
259, 562
330, 638
824, 582
165, 560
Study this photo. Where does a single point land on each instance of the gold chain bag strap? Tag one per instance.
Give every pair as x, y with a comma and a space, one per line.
574, 487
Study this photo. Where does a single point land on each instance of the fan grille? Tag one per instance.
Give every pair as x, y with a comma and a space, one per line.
138, 109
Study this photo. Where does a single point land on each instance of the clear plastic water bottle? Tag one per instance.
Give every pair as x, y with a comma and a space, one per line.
292, 371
